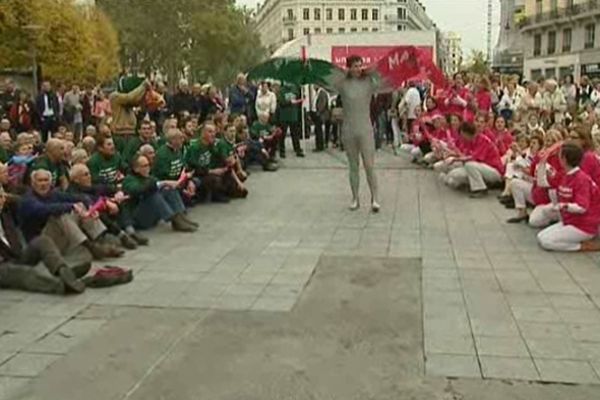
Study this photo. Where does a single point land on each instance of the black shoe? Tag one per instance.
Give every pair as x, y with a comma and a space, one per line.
478, 194
81, 270
318, 150
270, 167
140, 240
505, 199
518, 220
220, 198
281, 155
300, 154
67, 276
189, 221
128, 242
510, 206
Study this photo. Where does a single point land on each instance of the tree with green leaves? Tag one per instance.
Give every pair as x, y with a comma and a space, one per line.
477, 63
210, 39
72, 43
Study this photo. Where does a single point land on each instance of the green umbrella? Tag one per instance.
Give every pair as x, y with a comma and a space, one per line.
297, 71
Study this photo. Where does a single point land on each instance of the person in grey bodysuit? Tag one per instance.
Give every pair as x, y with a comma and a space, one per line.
356, 90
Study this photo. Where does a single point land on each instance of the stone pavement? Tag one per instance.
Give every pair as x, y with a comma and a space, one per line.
495, 306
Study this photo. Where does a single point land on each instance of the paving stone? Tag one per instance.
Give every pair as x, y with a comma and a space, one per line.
558, 349
455, 366
585, 332
4, 356
440, 343
568, 301
527, 300
536, 314
11, 387
508, 368
238, 303
566, 371
579, 316
494, 327
541, 330
274, 303
501, 347
27, 365
244, 289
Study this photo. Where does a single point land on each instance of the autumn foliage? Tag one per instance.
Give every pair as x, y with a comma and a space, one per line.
73, 43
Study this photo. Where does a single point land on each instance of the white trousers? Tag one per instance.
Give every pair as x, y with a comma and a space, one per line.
398, 135
543, 215
446, 166
521, 193
476, 174
559, 237
430, 158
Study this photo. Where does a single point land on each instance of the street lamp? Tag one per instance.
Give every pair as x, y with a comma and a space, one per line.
33, 30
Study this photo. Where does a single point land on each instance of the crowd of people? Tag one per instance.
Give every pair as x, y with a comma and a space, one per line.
535, 141
89, 171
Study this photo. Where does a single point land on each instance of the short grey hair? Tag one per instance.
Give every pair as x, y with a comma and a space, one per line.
77, 170
37, 172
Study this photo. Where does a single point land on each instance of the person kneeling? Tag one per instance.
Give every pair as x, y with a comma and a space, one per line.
151, 201
578, 206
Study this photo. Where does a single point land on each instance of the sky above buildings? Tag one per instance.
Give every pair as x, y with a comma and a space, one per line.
467, 17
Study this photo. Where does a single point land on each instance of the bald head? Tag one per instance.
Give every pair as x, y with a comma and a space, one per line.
55, 149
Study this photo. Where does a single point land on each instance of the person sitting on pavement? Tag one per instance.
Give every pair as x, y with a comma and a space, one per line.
170, 164
145, 136
53, 160
18, 262
110, 199
106, 165
63, 217
151, 200
263, 143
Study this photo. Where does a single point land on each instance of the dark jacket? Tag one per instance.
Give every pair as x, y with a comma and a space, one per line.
239, 100
182, 102
35, 210
14, 248
52, 103
93, 192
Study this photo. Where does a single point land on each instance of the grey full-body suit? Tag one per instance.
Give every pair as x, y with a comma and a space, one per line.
357, 130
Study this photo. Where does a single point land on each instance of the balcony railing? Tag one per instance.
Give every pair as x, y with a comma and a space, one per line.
289, 19
573, 11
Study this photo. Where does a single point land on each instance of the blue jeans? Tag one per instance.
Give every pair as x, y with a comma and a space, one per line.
161, 205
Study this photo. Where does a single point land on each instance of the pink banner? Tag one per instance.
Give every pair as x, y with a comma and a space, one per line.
370, 54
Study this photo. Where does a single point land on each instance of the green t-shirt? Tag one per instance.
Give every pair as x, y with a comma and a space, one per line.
57, 170
286, 111
105, 170
133, 147
4, 155
200, 157
259, 130
138, 187
168, 164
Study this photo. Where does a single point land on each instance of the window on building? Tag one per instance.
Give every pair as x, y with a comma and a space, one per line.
590, 36
375, 14
375, 29
290, 34
306, 14
554, 5
537, 44
401, 27
317, 30
307, 31
341, 30
551, 42
317, 14
401, 13
329, 30
567, 38
365, 29
329, 14
365, 14
536, 74
538, 6
353, 14
290, 14
564, 71
353, 29
550, 73
341, 14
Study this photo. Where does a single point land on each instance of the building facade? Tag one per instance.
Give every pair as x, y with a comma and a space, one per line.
280, 21
508, 53
561, 37
452, 52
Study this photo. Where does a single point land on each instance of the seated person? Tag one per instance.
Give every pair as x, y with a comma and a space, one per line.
213, 180
89, 144
145, 136
17, 261
578, 206
169, 164
53, 160
106, 165
110, 211
19, 164
226, 153
482, 164
264, 137
63, 217
151, 200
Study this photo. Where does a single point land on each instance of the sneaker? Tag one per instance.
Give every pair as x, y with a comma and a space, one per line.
180, 225
140, 240
518, 220
114, 251
189, 221
128, 242
355, 205
97, 250
67, 276
478, 194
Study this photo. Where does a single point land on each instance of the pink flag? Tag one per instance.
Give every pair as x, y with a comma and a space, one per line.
98, 206
398, 66
429, 69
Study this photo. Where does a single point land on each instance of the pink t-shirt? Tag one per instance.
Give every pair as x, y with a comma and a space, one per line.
578, 188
